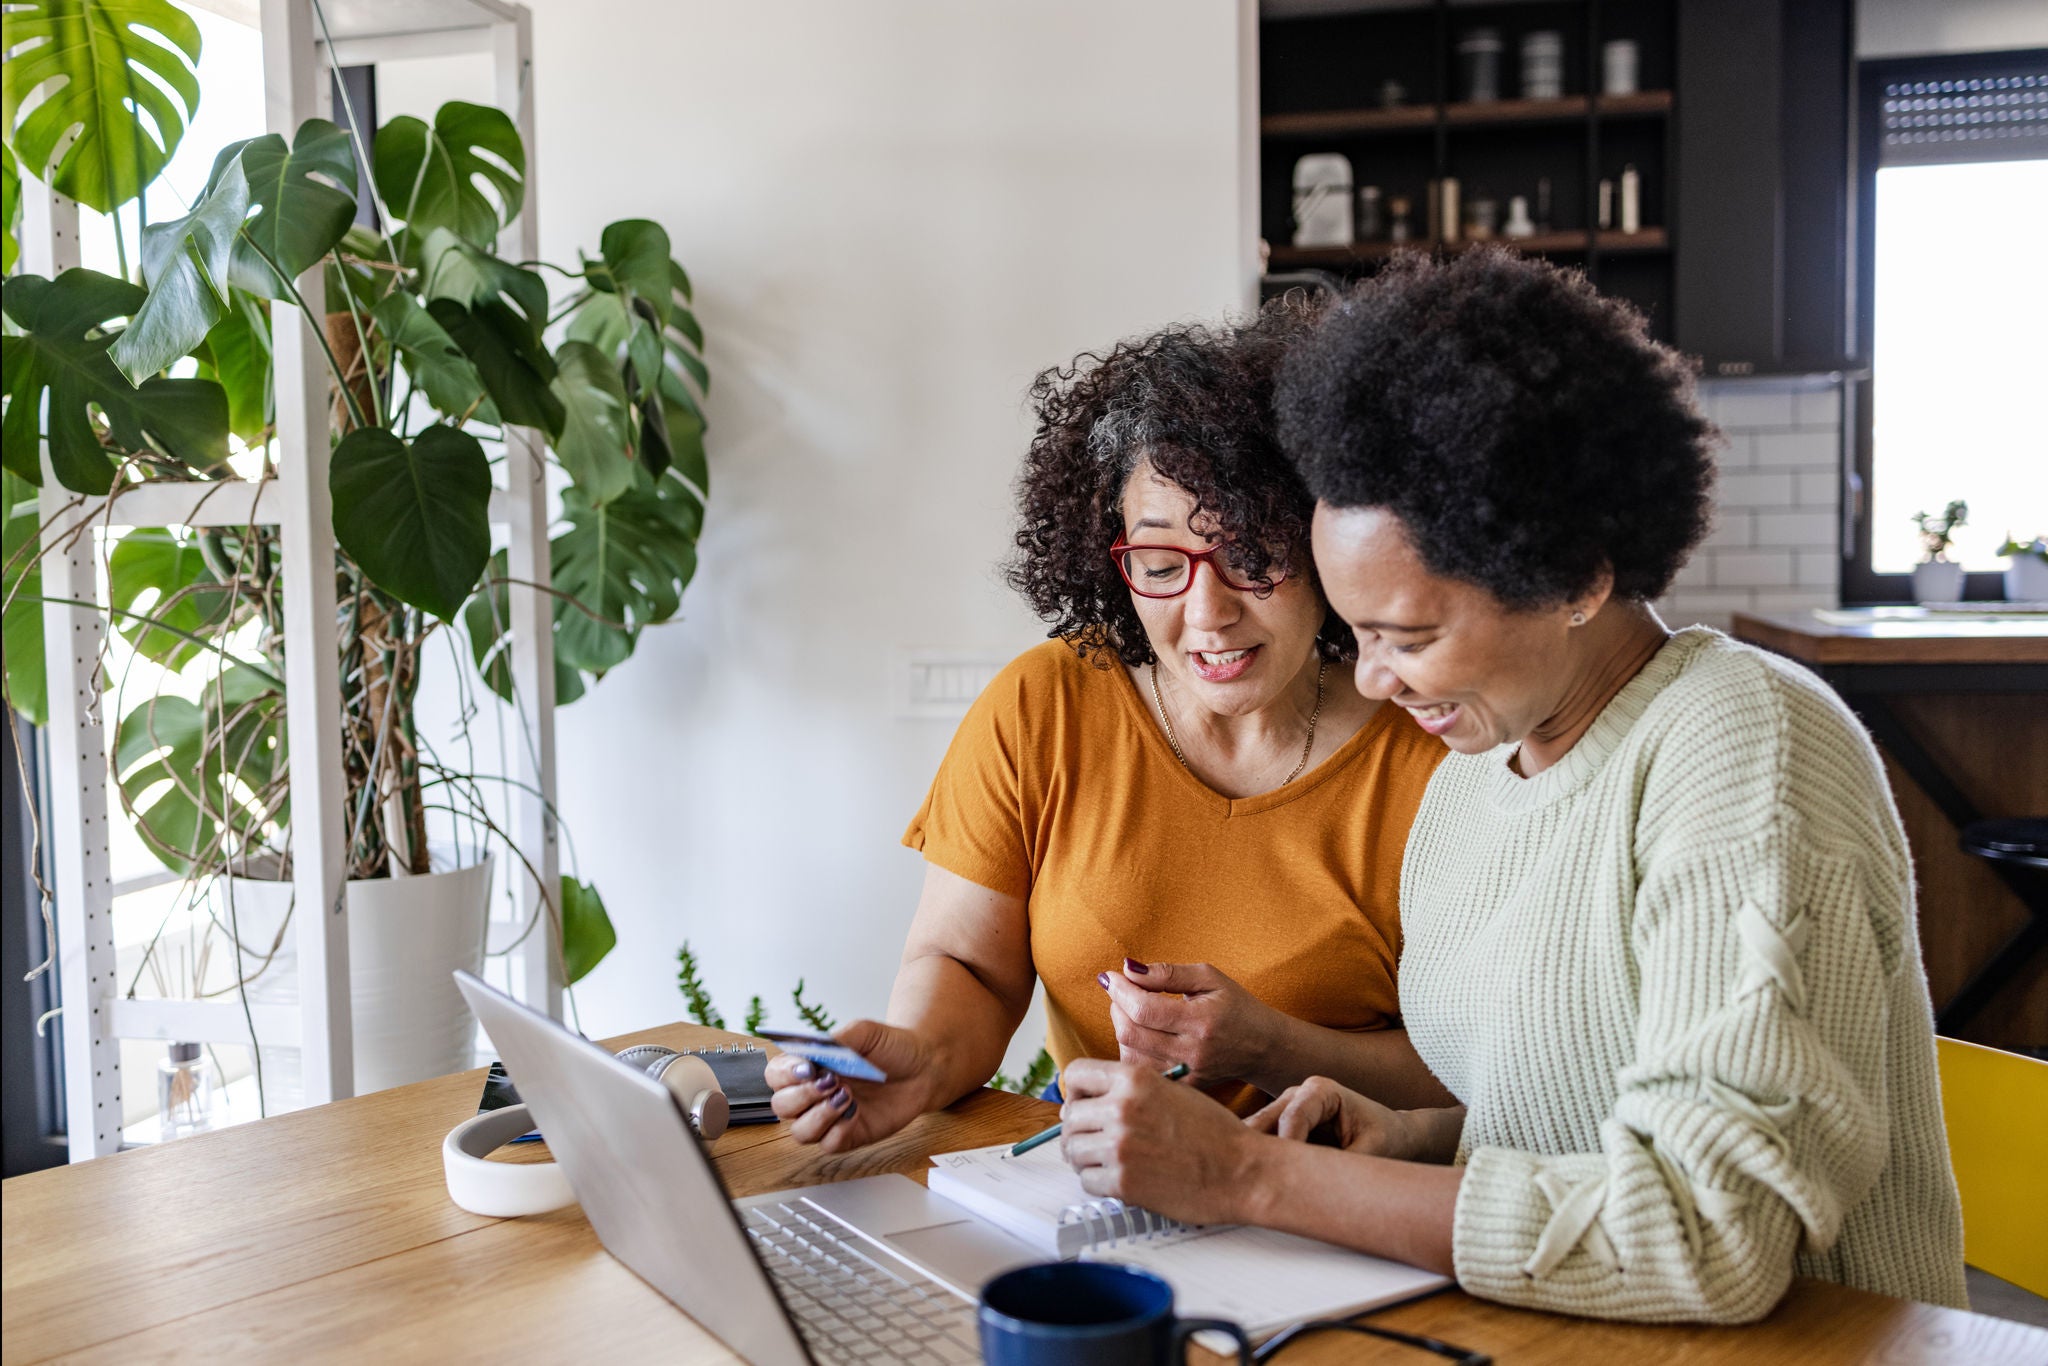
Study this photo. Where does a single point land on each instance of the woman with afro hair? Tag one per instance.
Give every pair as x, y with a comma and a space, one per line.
1658, 919
1179, 814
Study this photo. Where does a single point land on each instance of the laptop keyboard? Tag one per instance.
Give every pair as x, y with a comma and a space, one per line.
848, 1306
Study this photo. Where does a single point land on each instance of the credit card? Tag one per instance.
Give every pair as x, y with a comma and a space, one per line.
822, 1051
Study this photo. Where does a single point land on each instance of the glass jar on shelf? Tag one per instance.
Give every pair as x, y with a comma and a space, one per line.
187, 1092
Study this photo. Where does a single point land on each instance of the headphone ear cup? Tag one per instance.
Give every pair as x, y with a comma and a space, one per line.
690, 1080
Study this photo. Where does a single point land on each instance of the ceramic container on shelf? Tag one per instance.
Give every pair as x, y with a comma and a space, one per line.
1542, 65
1322, 200
406, 938
1618, 67
1519, 223
1479, 65
1937, 581
2026, 578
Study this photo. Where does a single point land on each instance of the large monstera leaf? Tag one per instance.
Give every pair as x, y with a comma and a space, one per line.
199, 775
57, 372
596, 441
415, 516
618, 569
625, 564
488, 620
10, 208
494, 312
437, 366
268, 213
638, 313
303, 199
123, 73
157, 577
236, 355
466, 173
185, 261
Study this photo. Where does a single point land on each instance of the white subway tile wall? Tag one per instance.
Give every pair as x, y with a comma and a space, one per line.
1776, 541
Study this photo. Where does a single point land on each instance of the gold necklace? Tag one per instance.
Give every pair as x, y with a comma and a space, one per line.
1307, 746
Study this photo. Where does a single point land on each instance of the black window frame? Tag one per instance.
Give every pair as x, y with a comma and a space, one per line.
1861, 584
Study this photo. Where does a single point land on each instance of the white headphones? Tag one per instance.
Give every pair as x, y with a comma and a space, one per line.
505, 1189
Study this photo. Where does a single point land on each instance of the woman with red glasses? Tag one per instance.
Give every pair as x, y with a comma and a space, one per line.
1178, 814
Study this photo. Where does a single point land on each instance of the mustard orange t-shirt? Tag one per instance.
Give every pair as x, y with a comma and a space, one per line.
1059, 788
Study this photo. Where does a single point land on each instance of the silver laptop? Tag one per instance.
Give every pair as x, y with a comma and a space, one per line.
877, 1269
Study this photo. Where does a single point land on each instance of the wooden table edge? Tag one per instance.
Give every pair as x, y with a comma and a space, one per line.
1798, 635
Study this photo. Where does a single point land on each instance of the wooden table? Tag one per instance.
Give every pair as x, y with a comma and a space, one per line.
1959, 705
327, 1235
1913, 637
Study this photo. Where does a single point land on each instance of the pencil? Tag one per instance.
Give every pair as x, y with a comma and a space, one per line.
1173, 1073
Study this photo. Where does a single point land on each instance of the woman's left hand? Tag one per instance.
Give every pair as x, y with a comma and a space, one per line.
1130, 1133
1167, 1013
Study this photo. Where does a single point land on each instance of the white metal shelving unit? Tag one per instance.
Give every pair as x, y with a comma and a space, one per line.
296, 58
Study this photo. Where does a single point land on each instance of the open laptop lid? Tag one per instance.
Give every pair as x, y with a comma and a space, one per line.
643, 1179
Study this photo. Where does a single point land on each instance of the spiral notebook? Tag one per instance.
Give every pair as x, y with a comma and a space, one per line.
1259, 1278
741, 1069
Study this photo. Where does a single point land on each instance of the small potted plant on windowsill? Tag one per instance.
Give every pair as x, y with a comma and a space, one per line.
1937, 578
2026, 578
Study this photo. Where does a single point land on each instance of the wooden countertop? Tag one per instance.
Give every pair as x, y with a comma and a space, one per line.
1899, 635
327, 1235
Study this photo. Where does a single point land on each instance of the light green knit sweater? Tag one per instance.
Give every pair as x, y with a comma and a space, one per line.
1676, 980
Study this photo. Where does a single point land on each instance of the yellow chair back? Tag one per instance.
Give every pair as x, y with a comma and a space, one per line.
1995, 1105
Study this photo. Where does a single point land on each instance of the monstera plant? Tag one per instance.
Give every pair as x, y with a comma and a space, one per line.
435, 346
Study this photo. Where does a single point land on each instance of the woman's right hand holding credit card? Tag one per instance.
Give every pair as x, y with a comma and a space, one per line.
839, 1113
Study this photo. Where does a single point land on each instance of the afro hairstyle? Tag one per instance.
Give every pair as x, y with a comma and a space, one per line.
1525, 430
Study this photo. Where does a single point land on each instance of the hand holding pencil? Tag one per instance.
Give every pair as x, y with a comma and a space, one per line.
1173, 1073
1130, 1133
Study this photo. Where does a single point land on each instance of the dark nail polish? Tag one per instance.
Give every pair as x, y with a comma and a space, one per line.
826, 1082
1102, 980
1135, 968
842, 1098
801, 1070
851, 1110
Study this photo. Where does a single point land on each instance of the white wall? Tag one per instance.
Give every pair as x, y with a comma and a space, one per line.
1912, 28
895, 213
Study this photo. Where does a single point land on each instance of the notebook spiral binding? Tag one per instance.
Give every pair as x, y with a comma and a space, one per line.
1109, 1222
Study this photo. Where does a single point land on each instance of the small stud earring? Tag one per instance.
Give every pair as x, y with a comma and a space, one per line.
1578, 618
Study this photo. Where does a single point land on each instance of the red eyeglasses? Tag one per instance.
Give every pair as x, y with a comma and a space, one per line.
1167, 571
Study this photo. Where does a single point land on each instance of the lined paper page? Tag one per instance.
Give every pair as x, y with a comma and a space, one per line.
1259, 1278
1264, 1280
1022, 1195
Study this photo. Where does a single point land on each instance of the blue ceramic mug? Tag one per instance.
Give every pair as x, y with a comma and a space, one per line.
1088, 1314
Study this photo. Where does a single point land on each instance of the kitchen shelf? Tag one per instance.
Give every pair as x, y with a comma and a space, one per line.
1643, 240
1413, 118
1328, 258
1406, 118
1317, 72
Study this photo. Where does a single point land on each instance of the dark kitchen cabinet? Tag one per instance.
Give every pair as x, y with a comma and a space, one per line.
1739, 132
1760, 276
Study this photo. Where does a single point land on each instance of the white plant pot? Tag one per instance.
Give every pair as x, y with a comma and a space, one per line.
2026, 579
1937, 581
406, 938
